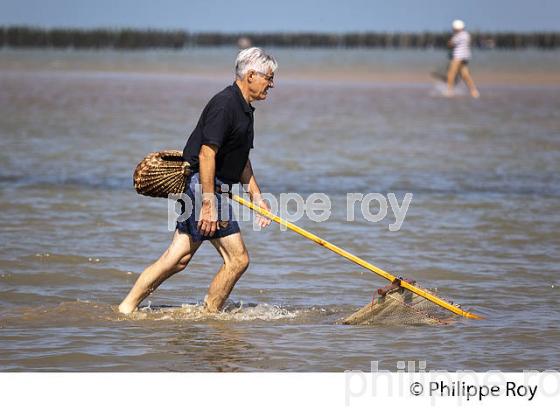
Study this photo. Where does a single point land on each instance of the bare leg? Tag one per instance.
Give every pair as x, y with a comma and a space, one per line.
465, 73
452, 74
173, 260
236, 260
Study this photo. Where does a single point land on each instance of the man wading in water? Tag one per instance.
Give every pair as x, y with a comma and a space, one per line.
218, 152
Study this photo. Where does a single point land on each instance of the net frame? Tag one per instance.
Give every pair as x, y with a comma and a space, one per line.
399, 306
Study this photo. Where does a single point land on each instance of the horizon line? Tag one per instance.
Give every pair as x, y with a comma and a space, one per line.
263, 32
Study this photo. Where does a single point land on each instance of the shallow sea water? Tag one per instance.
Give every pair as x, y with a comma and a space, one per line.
482, 226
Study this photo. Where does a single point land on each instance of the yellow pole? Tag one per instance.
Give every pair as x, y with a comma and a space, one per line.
355, 259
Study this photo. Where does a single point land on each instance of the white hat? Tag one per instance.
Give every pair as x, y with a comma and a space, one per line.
458, 24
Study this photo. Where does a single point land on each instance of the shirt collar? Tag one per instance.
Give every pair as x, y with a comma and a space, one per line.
246, 106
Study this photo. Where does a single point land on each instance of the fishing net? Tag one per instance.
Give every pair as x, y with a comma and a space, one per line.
394, 305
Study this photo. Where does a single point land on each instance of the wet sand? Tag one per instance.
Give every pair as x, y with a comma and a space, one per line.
489, 67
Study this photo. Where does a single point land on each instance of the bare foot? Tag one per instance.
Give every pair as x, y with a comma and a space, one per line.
126, 309
475, 94
448, 93
211, 310
208, 308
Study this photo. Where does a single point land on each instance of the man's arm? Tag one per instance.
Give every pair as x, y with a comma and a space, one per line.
250, 182
208, 221
451, 42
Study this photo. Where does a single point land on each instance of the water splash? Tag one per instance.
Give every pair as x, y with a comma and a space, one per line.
233, 311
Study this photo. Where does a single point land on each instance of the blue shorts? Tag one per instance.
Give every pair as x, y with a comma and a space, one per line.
226, 219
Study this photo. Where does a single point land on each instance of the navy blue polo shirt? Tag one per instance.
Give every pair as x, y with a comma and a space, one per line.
226, 122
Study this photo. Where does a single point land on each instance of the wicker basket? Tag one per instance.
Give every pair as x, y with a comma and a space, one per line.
161, 173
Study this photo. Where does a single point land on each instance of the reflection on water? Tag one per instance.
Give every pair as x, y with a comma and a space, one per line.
221, 346
482, 225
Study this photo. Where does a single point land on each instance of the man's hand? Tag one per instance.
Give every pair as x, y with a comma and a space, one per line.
262, 220
208, 220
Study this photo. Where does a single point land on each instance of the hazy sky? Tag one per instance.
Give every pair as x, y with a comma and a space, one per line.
285, 15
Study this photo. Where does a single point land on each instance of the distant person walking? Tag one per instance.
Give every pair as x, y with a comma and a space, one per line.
460, 44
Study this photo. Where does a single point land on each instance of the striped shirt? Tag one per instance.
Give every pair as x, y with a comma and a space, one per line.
461, 45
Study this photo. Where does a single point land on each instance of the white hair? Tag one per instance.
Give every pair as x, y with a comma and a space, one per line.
254, 58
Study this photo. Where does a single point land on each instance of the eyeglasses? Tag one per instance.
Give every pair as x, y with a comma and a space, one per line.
269, 78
